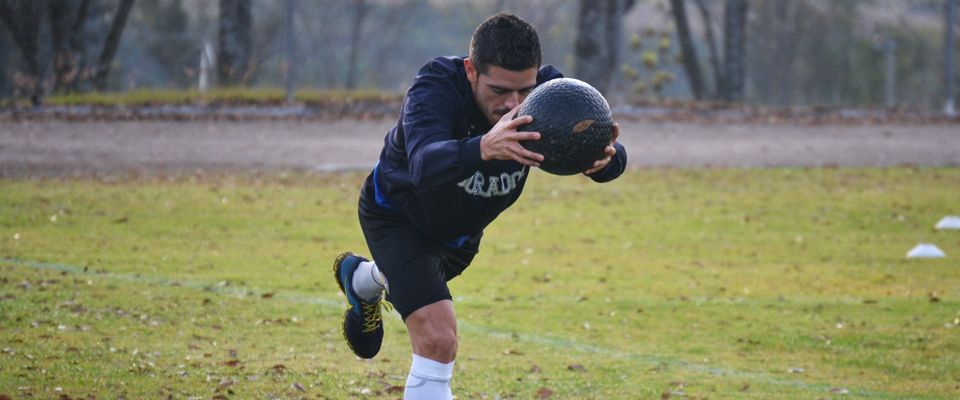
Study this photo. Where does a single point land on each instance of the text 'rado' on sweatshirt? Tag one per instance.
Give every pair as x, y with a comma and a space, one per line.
430, 168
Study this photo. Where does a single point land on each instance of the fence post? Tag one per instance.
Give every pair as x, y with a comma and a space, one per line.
206, 63
888, 49
291, 68
948, 47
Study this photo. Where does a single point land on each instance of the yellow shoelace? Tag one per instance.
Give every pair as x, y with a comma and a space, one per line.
372, 311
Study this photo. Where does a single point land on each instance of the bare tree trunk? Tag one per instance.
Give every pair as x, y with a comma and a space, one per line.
734, 42
77, 45
111, 44
5, 54
360, 13
597, 44
24, 26
66, 36
233, 55
690, 63
786, 50
712, 45
61, 30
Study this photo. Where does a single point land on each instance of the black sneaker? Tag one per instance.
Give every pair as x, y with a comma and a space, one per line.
362, 322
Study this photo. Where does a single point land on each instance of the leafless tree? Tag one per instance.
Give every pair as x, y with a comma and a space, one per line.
22, 18
711, 43
687, 50
361, 10
734, 45
597, 47
111, 44
233, 55
66, 31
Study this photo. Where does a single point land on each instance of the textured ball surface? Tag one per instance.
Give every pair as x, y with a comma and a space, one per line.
575, 125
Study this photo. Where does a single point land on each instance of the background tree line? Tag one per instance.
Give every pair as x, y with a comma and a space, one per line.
785, 52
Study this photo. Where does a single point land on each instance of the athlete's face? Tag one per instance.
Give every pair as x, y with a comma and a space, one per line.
499, 90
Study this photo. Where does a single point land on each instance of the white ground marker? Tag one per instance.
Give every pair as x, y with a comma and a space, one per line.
924, 250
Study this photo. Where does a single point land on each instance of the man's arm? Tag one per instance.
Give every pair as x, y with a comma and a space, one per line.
431, 110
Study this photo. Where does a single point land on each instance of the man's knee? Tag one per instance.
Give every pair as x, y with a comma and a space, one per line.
440, 342
433, 331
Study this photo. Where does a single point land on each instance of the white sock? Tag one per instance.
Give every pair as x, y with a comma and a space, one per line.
428, 380
367, 281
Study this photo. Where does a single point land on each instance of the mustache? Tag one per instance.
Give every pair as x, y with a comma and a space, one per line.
500, 111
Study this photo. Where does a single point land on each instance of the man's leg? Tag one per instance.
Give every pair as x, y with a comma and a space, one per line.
433, 335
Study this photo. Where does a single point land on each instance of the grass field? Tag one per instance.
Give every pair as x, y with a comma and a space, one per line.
684, 284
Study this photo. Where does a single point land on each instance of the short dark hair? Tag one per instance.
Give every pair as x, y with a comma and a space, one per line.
507, 41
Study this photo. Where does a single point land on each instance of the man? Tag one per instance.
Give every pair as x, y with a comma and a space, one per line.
451, 165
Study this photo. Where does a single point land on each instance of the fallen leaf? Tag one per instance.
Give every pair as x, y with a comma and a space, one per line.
299, 387
253, 378
544, 393
839, 390
121, 220
192, 346
577, 368
511, 352
535, 368
669, 393
745, 388
266, 295
226, 383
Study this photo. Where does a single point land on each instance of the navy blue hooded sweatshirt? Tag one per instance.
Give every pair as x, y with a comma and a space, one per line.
430, 169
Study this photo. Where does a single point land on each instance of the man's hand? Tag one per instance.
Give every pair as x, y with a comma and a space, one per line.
503, 141
610, 151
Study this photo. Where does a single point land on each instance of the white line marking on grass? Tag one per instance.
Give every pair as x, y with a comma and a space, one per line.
653, 360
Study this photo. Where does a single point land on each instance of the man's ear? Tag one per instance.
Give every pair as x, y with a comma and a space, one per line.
471, 71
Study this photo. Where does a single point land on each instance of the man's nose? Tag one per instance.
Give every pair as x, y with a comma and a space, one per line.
513, 100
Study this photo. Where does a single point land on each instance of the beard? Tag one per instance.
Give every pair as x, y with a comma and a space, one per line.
498, 113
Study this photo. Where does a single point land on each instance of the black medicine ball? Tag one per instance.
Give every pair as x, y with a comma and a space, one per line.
575, 125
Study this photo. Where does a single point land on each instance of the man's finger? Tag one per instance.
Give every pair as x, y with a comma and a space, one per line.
521, 135
616, 134
526, 119
525, 161
530, 155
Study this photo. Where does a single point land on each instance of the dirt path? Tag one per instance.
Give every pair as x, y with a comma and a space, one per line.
61, 147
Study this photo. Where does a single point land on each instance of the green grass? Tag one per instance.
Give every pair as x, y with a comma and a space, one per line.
718, 284
220, 96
